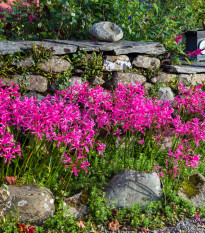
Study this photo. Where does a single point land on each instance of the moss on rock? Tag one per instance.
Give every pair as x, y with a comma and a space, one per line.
191, 185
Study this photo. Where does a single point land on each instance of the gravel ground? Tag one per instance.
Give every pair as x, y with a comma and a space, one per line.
185, 226
188, 226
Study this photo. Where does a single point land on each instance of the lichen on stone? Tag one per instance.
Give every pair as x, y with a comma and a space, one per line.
191, 185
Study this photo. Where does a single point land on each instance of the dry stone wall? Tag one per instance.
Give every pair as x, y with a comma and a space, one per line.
122, 62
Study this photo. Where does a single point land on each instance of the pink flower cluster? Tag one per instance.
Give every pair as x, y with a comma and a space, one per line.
178, 38
73, 118
194, 53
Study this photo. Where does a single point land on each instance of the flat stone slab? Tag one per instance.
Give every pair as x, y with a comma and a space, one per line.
71, 46
194, 63
11, 47
184, 69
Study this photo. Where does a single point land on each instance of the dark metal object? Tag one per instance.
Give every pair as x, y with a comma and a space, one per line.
193, 40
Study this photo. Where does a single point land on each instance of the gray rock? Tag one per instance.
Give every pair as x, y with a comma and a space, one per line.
165, 93
154, 80
146, 62
117, 63
193, 189
147, 86
69, 46
24, 63
78, 71
77, 205
193, 79
55, 65
106, 31
166, 143
125, 78
83, 45
165, 77
11, 47
38, 97
184, 69
52, 87
97, 81
130, 187
149, 48
29, 82
35, 204
73, 80
193, 63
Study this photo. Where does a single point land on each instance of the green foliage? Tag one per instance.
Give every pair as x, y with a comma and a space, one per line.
8, 224
97, 203
92, 64
143, 21
40, 53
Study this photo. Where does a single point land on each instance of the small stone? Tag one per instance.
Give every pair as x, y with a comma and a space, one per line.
147, 86
165, 93
117, 63
39, 97
165, 77
184, 69
55, 65
192, 80
106, 31
74, 80
194, 189
166, 144
24, 63
78, 71
125, 78
154, 80
30, 82
76, 204
97, 81
146, 62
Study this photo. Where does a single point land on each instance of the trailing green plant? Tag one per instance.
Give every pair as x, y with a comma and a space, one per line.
40, 53
8, 224
92, 64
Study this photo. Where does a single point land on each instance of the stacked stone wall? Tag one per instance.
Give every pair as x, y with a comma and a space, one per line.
122, 62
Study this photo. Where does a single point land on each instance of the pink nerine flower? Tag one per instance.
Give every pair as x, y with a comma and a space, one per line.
92, 38
30, 18
197, 217
178, 38
194, 53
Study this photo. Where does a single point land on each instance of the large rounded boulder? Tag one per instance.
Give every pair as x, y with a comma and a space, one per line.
131, 187
106, 31
30, 203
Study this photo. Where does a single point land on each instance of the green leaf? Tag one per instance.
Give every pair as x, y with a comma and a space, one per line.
43, 33
156, 8
144, 7
188, 61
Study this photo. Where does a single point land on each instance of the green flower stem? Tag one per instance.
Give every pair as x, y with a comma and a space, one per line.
3, 164
7, 168
31, 155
